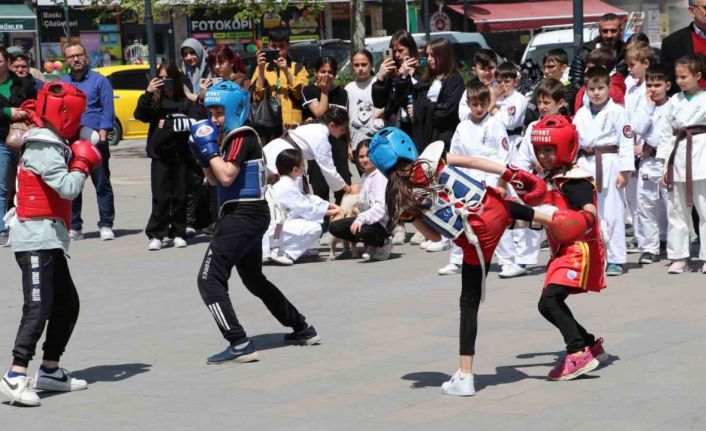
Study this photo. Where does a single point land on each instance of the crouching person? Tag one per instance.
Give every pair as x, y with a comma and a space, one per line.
50, 174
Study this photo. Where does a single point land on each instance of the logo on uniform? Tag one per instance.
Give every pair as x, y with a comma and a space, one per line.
571, 274
511, 111
627, 131
204, 131
505, 144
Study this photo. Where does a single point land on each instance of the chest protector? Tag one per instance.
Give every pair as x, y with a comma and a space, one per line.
36, 200
250, 183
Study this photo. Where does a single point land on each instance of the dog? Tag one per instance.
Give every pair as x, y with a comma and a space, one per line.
349, 208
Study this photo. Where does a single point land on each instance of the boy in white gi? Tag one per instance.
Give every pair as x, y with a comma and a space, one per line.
606, 151
647, 119
304, 212
686, 134
481, 135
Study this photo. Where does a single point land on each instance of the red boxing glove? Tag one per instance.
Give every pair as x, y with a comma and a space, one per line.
530, 188
568, 226
86, 157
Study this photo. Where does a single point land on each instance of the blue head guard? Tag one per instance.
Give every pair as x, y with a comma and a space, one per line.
234, 100
390, 145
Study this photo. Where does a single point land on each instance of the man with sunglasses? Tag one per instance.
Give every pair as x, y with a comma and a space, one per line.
610, 29
689, 40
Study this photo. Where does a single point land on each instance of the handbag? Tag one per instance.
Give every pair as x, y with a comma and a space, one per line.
15, 135
267, 113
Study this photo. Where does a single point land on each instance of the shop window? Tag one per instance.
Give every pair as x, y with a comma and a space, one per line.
129, 80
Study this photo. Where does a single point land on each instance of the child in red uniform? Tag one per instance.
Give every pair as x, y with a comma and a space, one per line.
578, 254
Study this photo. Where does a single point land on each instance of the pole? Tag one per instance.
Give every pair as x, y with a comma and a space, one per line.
426, 21
66, 19
578, 26
465, 15
151, 44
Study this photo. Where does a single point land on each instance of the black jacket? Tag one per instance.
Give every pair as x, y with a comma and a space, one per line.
391, 94
22, 89
578, 65
433, 121
171, 140
676, 46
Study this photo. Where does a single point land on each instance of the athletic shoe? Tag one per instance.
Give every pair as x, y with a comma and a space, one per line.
281, 258
461, 387
513, 270
678, 266
450, 269
417, 238
441, 245
311, 252
425, 244
367, 251
155, 244
703, 268
75, 235
190, 232
19, 390
58, 381
382, 252
614, 270
179, 242
573, 366
325, 239
209, 230
106, 234
544, 245
598, 351
4, 239
629, 230
399, 235
307, 337
648, 258
246, 353
632, 247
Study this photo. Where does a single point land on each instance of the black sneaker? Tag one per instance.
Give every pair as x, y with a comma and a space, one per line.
629, 230
649, 258
306, 337
233, 354
544, 245
632, 247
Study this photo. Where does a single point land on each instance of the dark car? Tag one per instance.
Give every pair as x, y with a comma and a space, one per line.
308, 52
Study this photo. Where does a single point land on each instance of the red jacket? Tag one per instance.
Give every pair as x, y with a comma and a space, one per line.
616, 92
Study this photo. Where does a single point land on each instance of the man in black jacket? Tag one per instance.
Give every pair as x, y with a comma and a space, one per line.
681, 42
610, 28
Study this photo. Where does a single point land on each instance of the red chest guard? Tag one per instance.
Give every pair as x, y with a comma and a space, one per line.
36, 200
581, 264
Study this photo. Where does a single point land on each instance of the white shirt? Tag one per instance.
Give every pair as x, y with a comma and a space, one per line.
314, 144
434, 90
487, 139
297, 204
681, 113
363, 123
524, 157
372, 199
511, 110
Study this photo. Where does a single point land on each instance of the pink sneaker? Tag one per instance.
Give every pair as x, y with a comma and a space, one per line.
573, 366
598, 352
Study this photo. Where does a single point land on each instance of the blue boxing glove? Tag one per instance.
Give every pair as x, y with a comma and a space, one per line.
204, 141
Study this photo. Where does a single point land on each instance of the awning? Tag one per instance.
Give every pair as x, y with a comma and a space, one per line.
17, 18
531, 15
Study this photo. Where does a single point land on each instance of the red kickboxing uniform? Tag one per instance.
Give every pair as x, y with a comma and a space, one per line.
581, 264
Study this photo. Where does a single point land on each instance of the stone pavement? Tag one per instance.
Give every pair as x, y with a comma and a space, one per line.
390, 338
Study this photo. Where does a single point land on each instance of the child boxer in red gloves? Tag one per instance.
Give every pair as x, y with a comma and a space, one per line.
578, 254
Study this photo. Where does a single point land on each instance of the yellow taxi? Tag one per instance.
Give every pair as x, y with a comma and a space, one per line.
129, 82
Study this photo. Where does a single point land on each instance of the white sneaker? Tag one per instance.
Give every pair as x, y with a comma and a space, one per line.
461, 387
450, 269
155, 244
75, 235
58, 381
20, 390
441, 245
417, 239
399, 235
179, 242
512, 270
382, 252
325, 239
190, 231
281, 258
106, 234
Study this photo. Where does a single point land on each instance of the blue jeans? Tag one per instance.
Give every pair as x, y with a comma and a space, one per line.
8, 166
104, 194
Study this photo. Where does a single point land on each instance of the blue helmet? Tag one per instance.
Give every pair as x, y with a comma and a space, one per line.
234, 100
390, 145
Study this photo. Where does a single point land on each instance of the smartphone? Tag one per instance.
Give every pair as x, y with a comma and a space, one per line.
216, 81
271, 55
422, 63
168, 83
387, 53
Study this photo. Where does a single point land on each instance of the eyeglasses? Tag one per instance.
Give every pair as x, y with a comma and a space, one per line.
75, 56
550, 66
702, 8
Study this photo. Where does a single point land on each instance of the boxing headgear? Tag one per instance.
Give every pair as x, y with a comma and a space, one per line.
390, 145
234, 100
61, 104
557, 131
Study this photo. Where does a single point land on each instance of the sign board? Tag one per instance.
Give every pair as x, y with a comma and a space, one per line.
440, 21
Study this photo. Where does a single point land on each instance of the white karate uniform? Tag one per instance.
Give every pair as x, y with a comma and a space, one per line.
635, 101
650, 220
608, 127
682, 112
511, 113
304, 217
487, 139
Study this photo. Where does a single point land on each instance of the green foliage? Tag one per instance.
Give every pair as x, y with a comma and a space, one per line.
466, 72
344, 77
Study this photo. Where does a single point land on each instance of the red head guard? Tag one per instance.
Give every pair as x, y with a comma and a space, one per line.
557, 131
61, 104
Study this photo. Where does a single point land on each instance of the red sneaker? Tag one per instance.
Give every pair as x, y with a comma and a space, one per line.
573, 366
598, 352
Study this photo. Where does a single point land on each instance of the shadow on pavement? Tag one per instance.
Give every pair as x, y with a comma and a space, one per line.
268, 341
111, 373
118, 233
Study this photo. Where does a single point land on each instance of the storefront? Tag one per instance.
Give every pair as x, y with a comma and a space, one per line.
18, 27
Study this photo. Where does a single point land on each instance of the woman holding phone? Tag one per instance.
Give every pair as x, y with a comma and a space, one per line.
225, 65
168, 110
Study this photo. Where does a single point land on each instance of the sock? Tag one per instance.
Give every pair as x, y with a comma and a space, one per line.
242, 346
464, 376
48, 370
12, 374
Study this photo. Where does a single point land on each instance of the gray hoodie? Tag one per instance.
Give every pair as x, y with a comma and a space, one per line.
194, 74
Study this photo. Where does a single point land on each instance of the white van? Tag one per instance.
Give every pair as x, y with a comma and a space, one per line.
564, 39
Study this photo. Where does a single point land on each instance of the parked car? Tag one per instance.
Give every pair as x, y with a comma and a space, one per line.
544, 42
308, 52
128, 82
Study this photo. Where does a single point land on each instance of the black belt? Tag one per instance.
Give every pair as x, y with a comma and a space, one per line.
517, 131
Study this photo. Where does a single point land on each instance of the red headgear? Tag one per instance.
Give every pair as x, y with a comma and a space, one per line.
61, 104
557, 131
